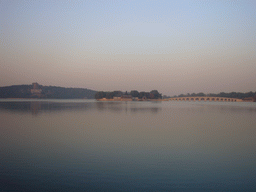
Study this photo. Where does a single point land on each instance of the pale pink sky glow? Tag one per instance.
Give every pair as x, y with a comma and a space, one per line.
172, 46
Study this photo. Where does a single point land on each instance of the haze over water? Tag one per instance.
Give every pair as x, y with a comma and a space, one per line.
85, 145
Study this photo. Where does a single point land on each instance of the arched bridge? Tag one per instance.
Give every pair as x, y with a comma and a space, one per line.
205, 99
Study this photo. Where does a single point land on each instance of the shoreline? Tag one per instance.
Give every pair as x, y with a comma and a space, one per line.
104, 99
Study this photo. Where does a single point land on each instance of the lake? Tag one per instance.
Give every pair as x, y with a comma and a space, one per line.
86, 145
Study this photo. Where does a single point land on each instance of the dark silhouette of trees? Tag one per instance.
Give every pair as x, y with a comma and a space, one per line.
154, 94
135, 93
24, 91
238, 95
100, 95
16, 91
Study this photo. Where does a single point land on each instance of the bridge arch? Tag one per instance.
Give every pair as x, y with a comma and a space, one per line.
223, 99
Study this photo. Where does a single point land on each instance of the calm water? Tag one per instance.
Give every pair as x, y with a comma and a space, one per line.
85, 145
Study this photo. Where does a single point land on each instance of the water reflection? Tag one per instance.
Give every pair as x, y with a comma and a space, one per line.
208, 106
127, 146
128, 106
37, 107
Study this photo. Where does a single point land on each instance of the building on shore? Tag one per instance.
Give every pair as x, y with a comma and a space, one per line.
35, 91
117, 98
126, 98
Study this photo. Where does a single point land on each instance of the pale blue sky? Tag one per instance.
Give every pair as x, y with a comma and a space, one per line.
172, 46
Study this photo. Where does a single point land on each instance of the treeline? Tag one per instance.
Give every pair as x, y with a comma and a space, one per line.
238, 95
51, 92
67, 93
16, 91
154, 94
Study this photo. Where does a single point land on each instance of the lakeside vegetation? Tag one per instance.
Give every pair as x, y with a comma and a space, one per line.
46, 92
238, 95
154, 94
249, 96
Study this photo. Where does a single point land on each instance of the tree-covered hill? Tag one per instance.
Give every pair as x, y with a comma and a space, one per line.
53, 92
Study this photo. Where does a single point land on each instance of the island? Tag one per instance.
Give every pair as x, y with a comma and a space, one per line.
133, 95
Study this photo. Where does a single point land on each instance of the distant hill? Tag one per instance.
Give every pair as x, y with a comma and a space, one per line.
39, 91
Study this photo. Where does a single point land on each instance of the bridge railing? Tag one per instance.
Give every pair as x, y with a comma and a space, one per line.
205, 99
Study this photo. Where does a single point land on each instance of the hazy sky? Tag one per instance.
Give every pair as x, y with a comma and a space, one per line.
172, 46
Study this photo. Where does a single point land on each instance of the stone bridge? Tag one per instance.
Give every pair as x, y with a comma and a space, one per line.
205, 99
